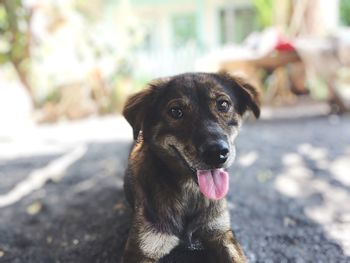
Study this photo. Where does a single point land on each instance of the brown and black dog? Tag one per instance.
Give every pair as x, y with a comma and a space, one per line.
185, 128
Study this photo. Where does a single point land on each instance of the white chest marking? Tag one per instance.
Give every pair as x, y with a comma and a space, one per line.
155, 244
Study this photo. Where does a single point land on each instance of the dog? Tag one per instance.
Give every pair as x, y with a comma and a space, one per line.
184, 129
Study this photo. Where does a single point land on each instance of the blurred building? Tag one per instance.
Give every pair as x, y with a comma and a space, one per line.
177, 32
208, 23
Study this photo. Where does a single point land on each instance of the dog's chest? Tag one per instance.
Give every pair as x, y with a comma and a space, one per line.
195, 212
194, 218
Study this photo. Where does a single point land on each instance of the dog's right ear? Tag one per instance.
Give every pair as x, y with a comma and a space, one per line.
138, 106
135, 110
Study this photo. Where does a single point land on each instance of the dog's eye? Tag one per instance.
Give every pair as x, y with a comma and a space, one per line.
176, 113
223, 105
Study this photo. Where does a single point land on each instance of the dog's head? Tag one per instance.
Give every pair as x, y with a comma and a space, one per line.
191, 121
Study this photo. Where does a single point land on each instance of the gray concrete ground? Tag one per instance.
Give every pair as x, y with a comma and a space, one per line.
61, 194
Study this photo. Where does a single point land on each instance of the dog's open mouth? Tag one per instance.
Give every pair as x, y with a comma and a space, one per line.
213, 183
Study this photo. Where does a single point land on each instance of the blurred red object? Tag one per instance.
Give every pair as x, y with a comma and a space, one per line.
284, 45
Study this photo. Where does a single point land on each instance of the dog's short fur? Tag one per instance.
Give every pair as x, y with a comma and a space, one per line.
173, 120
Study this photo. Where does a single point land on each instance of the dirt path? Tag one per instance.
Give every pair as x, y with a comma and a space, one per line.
61, 194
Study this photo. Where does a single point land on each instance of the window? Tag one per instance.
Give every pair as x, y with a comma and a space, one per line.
184, 29
237, 23
149, 35
345, 12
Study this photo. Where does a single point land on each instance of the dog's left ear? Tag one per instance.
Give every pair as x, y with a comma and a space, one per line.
248, 95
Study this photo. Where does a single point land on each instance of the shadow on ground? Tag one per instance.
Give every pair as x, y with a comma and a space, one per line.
84, 217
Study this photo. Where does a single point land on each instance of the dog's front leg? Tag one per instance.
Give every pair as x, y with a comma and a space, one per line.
133, 253
226, 247
147, 244
219, 237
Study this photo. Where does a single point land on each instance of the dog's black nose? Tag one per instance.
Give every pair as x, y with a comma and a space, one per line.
215, 153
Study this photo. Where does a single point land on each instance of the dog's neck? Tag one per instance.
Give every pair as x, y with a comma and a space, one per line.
181, 198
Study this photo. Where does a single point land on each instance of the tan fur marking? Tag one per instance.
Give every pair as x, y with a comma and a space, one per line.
233, 252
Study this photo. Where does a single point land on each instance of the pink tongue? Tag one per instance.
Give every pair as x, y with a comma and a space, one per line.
213, 183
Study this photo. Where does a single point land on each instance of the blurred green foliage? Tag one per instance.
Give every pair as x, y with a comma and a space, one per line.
265, 12
15, 38
345, 12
